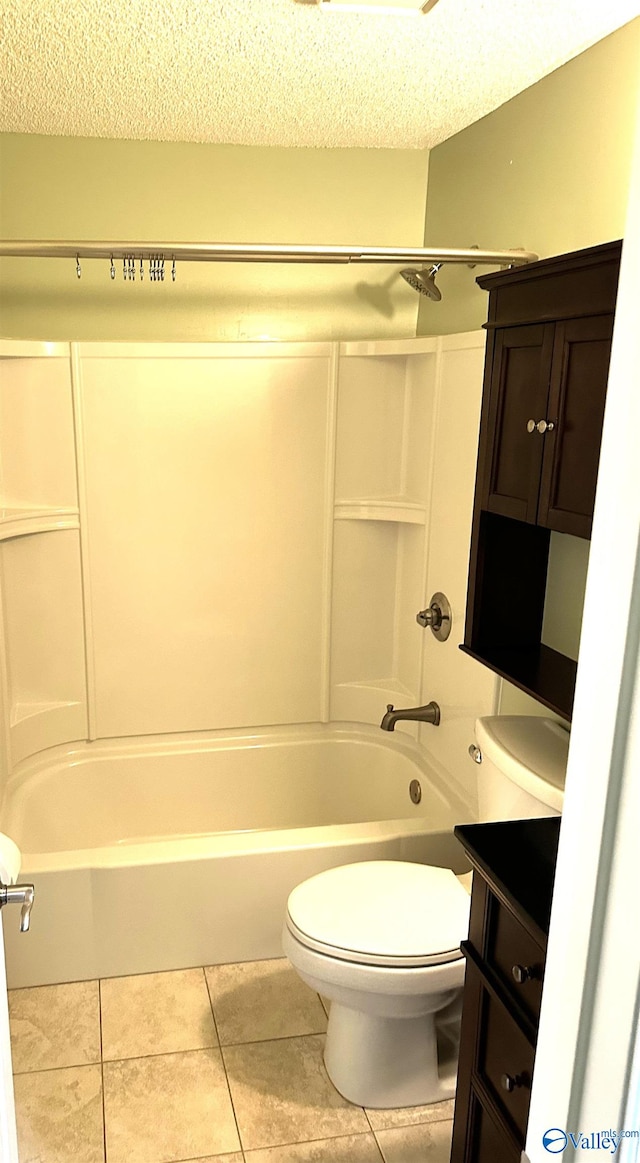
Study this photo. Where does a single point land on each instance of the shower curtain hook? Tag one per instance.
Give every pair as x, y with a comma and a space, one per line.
173, 270
112, 269
141, 269
162, 268
78, 267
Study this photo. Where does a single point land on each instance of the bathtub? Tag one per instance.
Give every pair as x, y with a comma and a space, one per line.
151, 855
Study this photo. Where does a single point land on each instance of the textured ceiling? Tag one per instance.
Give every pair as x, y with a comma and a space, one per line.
276, 72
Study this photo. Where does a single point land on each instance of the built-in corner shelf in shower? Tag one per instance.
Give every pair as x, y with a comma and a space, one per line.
385, 686
21, 521
20, 712
366, 701
36, 725
397, 509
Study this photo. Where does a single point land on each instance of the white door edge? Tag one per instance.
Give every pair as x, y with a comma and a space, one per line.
587, 1041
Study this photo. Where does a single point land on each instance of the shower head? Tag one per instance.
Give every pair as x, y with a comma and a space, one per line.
424, 281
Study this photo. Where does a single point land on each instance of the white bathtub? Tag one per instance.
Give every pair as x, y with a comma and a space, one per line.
150, 856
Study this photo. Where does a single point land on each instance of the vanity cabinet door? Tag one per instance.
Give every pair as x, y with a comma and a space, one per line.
519, 389
579, 373
488, 1143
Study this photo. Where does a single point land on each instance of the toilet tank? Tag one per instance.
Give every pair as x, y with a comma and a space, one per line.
522, 771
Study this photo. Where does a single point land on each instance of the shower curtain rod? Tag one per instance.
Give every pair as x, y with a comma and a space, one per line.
241, 252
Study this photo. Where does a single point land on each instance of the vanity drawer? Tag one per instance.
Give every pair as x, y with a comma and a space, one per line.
515, 957
505, 1062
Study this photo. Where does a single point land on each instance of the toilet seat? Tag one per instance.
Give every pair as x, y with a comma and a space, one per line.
382, 912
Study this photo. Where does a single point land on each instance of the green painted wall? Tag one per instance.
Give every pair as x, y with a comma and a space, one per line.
86, 188
548, 171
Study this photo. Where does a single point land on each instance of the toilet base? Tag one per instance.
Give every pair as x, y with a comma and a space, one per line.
383, 1062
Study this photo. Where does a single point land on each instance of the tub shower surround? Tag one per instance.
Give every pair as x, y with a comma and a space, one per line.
212, 556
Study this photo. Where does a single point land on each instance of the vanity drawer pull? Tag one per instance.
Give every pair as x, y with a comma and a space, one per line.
509, 1082
522, 973
515, 956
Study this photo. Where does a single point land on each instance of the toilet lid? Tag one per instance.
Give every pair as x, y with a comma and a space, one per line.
382, 912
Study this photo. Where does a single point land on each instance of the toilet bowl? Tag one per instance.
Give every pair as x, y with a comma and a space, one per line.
380, 940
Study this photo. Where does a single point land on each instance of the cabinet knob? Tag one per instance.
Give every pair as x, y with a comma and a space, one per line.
510, 1082
522, 973
531, 426
540, 426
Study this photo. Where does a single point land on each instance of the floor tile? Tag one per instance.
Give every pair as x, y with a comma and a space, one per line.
54, 1026
156, 1013
257, 1000
236, 1157
344, 1149
59, 1116
167, 1108
281, 1094
435, 1112
423, 1143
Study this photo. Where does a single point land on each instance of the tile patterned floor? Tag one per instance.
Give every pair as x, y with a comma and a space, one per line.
215, 1065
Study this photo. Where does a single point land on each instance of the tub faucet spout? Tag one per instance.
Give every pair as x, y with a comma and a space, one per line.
428, 714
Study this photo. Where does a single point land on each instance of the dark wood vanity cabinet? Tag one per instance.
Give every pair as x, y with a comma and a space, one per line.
548, 348
548, 388
518, 387
577, 393
514, 865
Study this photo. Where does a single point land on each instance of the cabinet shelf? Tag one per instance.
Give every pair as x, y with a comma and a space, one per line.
21, 521
540, 671
399, 509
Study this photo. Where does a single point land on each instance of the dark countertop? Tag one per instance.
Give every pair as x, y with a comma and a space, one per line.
518, 859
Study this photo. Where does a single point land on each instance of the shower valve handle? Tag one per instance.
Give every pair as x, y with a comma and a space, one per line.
19, 894
437, 617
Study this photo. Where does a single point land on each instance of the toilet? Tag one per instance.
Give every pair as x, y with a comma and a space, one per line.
381, 939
